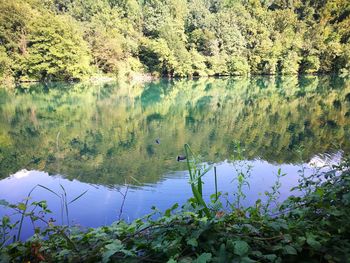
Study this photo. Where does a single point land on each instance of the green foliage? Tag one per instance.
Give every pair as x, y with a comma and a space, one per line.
238, 66
157, 56
43, 46
56, 50
85, 10
198, 63
243, 173
14, 17
5, 62
343, 62
310, 64
29, 209
196, 37
290, 64
196, 171
217, 64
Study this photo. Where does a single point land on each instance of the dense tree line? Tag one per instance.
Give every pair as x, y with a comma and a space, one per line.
72, 39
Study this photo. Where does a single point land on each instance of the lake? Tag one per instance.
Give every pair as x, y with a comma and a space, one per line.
114, 140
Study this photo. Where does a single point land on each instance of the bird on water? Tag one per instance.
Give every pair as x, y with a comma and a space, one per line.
180, 158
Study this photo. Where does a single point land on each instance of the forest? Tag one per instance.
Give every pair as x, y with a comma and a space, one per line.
50, 40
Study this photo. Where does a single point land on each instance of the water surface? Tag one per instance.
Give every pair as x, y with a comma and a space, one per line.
101, 137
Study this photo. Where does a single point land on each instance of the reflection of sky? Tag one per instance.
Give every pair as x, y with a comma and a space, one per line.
101, 205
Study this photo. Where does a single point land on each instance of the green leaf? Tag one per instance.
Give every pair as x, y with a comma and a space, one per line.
320, 192
289, 250
4, 258
222, 257
168, 211
42, 204
301, 240
311, 241
48, 189
64, 252
192, 242
186, 260
275, 225
22, 206
111, 249
5, 220
4, 202
270, 257
75, 199
247, 260
203, 258
241, 248
346, 198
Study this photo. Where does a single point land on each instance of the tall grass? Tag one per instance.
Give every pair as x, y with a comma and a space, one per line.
197, 171
27, 209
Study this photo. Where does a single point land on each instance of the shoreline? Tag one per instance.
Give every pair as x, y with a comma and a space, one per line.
148, 77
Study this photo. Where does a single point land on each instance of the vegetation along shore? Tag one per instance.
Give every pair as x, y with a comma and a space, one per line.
77, 39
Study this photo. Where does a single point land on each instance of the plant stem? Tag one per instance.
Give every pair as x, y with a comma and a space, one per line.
23, 214
216, 185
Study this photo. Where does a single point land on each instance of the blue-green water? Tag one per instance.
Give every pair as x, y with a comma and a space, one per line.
101, 137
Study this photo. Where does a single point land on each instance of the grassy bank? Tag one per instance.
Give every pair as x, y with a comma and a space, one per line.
312, 227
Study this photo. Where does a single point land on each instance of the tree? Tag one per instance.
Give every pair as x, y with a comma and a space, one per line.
310, 64
198, 63
238, 65
289, 65
157, 56
56, 49
5, 63
155, 15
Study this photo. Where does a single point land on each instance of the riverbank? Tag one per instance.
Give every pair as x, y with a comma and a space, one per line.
136, 78
314, 227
